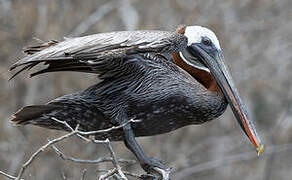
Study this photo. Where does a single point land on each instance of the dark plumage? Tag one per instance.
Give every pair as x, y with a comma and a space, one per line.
144, 77
151, 90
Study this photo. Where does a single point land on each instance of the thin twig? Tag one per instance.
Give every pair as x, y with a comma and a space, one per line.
30, 160
108, 174
61, 138
7, 175
83, 174
142, 176
68, 126
63, 175
115, 161
132, 174
87, 133
164, 173
107, 142
106, 130
89, 161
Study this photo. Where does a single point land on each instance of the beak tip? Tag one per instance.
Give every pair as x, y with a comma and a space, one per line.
260, 149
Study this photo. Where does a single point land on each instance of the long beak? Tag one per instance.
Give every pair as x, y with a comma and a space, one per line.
219, 70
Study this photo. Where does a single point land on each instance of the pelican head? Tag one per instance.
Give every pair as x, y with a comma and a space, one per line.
204, 52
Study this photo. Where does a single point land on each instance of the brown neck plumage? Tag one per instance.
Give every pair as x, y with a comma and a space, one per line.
203, 77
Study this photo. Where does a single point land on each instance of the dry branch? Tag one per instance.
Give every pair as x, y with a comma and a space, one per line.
7, 175
80, 134
137, 176
30, 160
83, 174
89, 161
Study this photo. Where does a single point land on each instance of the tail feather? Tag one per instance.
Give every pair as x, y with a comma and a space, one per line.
71, 108
28, 113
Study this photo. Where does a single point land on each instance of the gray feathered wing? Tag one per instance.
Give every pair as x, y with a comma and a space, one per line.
98, 53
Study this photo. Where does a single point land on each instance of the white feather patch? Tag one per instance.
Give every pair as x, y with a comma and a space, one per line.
196, 33
198, 67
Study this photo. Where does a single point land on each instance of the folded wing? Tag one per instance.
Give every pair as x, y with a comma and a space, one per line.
98, 53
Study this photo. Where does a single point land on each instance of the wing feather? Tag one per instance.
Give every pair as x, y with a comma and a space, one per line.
85, 54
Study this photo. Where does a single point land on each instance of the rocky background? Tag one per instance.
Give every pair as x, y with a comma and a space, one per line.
256, 37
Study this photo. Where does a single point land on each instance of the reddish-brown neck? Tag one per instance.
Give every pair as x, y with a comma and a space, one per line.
203, 77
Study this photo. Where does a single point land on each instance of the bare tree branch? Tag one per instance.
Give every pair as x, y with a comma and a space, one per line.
115, 161
137, 176
132, 174
30, 160
86, 133
7, 175
79, 134
108, 174
83, 174
89, 161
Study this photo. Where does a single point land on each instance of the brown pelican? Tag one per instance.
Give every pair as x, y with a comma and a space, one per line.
166, 80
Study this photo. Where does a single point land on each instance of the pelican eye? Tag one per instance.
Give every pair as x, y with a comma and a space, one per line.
206, 41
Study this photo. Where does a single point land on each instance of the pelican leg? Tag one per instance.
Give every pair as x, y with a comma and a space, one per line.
148, 164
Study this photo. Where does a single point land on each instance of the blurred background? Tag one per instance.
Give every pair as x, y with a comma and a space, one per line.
256, 37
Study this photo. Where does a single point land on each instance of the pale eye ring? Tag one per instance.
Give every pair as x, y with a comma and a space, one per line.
206, 41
